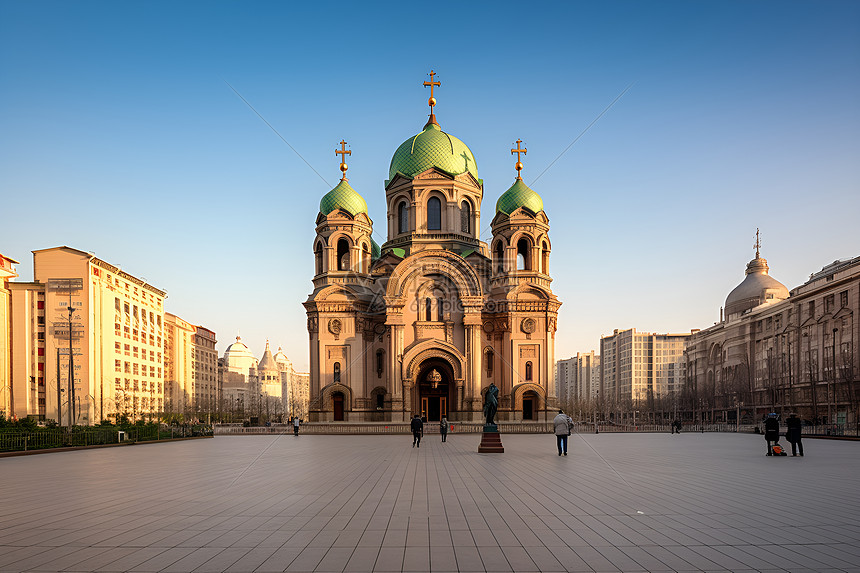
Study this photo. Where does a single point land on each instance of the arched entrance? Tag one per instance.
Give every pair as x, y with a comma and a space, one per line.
530, 402
434, 386
337, 405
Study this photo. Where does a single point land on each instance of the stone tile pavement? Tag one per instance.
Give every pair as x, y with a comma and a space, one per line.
617, 502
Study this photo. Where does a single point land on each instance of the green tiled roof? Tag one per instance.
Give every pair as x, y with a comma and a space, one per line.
432, 148
375, 251
343, 197
519, 195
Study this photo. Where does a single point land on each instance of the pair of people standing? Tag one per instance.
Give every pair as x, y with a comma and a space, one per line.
417, 426
563, 425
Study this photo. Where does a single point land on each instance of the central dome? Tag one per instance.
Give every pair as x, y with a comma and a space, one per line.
432, 148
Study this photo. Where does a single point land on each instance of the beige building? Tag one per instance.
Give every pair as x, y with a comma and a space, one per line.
204, 373
639, 367
578, 377
115, 322
178, 359
428, 321
780, 350
7, 272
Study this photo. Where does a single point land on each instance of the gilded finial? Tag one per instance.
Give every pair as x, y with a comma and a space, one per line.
432, 100
519, 165
343, 152
757, 243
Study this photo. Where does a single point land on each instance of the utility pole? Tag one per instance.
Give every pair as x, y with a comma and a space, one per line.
71, 365
59, 398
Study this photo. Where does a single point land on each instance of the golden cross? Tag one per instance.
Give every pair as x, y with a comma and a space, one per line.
343, 153
431, 84
757, 242
519, 165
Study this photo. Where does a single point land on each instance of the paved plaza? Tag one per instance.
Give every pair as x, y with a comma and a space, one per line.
617, 502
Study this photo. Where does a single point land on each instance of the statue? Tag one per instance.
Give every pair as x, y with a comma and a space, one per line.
491, 404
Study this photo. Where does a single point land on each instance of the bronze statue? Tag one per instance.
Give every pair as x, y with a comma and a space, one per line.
491, 404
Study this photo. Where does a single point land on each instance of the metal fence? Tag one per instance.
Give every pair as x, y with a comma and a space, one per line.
14, 440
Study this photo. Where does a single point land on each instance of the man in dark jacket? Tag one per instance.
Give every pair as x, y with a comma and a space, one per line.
793, 434
771, 432
417, 430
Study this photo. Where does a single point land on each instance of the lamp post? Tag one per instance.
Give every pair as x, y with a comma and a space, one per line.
72, 417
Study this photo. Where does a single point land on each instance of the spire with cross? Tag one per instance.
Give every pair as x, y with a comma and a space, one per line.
432, 101
519, 165
343, 152
757, 243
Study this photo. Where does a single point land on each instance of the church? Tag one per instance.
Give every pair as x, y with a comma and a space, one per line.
426, 322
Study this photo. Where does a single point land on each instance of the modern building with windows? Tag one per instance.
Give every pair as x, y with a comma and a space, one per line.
85, 316
578, 377
426, 322
640, 366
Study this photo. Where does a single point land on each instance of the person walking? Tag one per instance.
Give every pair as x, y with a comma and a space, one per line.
562, 423
295, 425
771, 431
793, 434
417, 430
443, 428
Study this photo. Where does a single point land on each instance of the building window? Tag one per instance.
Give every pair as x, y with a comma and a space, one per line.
428, 310
523, 249
434, 214
811, 307
402, 217
336, 370
500, 255
843, 299
365, 261
318, 258
342, 255
465, 217
528, 371
489, 358
545, 255
829, 301
380, 363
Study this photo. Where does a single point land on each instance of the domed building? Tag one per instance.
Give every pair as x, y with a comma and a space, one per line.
424, 323
772, 349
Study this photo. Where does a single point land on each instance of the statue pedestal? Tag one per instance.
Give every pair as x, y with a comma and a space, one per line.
491, 440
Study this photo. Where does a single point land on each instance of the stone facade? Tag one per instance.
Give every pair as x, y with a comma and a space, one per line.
780, 350
430, 321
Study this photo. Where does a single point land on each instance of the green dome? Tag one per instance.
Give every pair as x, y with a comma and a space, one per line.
432, 148
343, 197
519, 195
375, 250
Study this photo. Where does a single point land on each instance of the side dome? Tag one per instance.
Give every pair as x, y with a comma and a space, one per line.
757, 288
343, 196
239, 357
519, 195
432, 148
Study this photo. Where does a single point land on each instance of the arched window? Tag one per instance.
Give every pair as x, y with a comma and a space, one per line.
336, 371
440, 309
500, 257
365, 261
343, 255
545, 253
428, 310
465, 217
489, 358
434, 214
318, 259
523, 263
528, 371
380, 363
402, 217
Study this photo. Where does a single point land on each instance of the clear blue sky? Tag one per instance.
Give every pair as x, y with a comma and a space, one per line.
119, 136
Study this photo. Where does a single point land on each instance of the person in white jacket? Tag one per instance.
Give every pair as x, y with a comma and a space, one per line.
562, 423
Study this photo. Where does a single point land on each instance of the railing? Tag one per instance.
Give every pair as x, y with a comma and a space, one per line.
14, 440
528, 427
